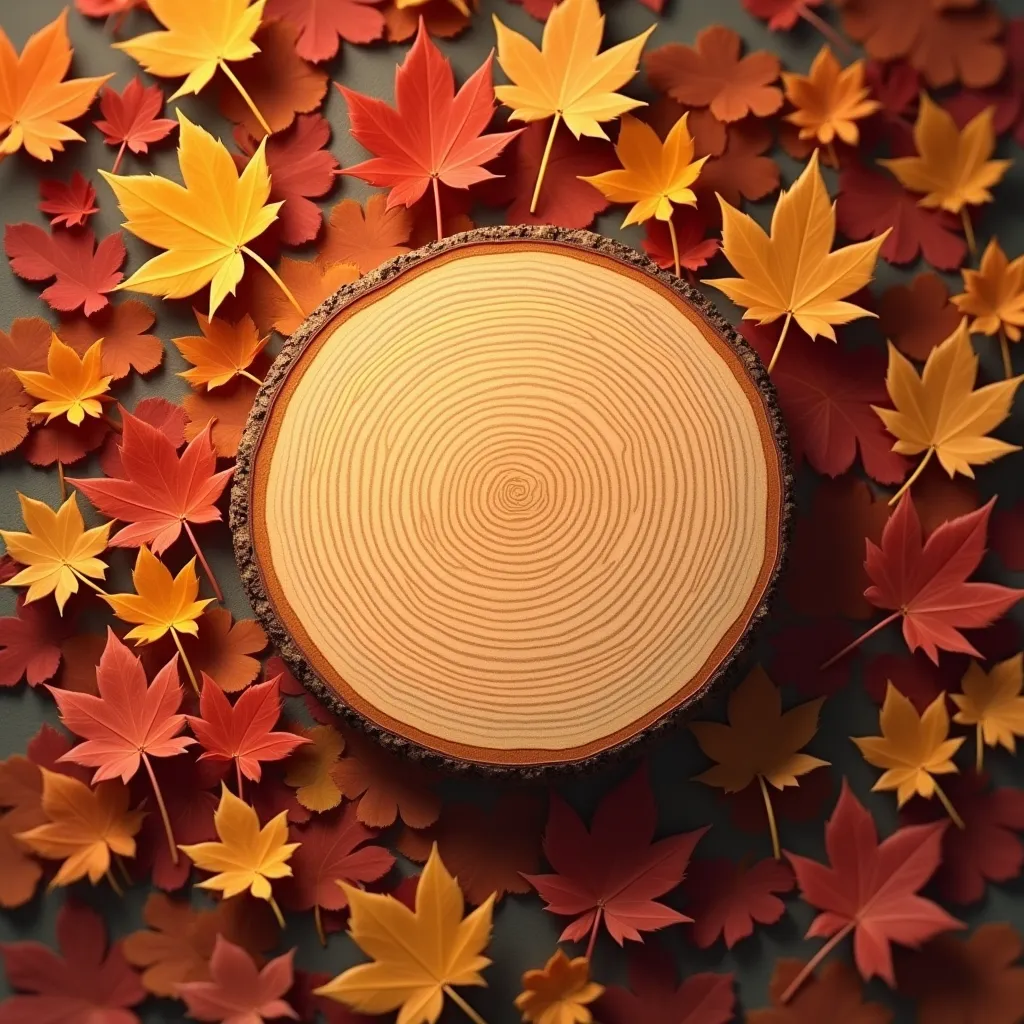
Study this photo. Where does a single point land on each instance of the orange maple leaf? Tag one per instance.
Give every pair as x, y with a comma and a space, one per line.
366, 237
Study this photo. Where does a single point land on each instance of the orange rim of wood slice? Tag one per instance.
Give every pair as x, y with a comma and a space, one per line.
502, 528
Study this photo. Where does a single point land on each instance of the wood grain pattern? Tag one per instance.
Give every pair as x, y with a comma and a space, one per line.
517, 503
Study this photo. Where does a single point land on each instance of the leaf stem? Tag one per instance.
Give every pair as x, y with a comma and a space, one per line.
62, 483
856, 643
116, 427
113, 883
1004, 348
782, 338
250, 376
437, 207
238, 777
203, 562
164, 816
965, 217
123, 868
773, 826
276, 279
117, 159
592, 941
544, 160
276, 909
909, 482
812, 964
318, 920
89, 583
948, 805
184, 660
812, 18
463, 1005
233, 79
979, 748
675, 244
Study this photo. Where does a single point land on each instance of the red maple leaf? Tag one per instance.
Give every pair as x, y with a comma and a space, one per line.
322, 24
84, 272
301, 169
83, 984
655, 996
743, 170
432, 134
243, 733
69, 203
726, 898
106, 8
869, 889
130, 721
695, 249
30, 643
131, 118
161, 493
781, 15
826, 393
613, 872
167, 417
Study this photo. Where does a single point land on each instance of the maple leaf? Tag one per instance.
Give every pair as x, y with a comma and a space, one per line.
57, 551
246, 857
940, 413
613, 872
309, 770
310, 282
829, 100
232, 208
15, 408
71, 386
30, 644
782, 15
690, 229
869, 889
131, 118
712, 74
223, 649
160, 493
225, 413
656, 997
85, 983
157, 412
366, 238
992, 703
792, 272
125, 332
21, 792
84, 272
69, 203
322, 24
225, 350
827, 394
918, 316
419, 955
726, 899
83, 828
742, 171
558, 993
35, 102
238, 990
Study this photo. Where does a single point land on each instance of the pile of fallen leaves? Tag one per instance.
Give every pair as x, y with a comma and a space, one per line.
183, 756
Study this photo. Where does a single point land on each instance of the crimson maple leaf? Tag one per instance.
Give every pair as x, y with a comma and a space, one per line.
30, 642
432, 134
322, 24
782, 15
869, 889
243, 733
84, 272
694, 248
69, 203
614, 872
83, 984
161, 493
131, 119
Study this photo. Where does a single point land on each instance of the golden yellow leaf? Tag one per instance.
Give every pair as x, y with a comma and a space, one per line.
992, 702
568, 78
792, 272
85, 827
420, 956
35, 102
224, 351
71, 385
57, 551
559, 993
940, 413
912, 748
830, 100
952, 167
247, 857
199, 38
204, 225
309, 768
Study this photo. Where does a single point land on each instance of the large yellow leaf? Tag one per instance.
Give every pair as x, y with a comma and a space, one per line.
793, 272
419, 955
204, 225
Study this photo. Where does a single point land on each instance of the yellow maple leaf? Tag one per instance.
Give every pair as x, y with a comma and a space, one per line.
71, 386
35, 102
199, 38
793, 272
568, 78
309, 768
994, 296
559, 993
85, 827
247, 857
912, 749
654, 175
57, 551
204, 225
761, 743
224, 351
830, 100
420, 955
940, 413
992, 702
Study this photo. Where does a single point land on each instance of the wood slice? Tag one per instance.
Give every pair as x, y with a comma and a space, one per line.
513, 500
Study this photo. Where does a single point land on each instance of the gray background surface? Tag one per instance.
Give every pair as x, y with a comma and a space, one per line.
525, 935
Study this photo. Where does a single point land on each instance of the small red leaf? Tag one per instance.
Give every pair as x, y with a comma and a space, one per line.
68, 203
